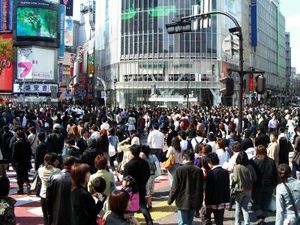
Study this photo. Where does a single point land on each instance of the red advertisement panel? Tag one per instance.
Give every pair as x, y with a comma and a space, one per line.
251, 83
6, 76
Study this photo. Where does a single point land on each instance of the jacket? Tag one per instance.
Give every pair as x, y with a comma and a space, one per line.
187, 187
217, 186
84, 208
82, 144
109, 180
58, 198
266, 175
40, 153
243, 177
284, 207
55, 142
21, 155
140, 171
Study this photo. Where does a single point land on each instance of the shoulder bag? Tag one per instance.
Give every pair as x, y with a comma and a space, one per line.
170, 162
297, 220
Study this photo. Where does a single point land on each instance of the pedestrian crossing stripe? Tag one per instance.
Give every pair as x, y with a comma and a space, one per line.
158, 211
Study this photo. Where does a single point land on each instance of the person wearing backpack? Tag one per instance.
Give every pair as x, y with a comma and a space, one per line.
198, 141
154, 172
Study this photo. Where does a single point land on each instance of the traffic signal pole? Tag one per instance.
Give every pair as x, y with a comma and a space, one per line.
237, 30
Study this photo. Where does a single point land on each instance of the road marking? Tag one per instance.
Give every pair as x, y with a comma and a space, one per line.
158, 211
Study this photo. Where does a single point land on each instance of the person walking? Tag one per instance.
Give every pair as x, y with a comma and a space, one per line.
44, 172
21, 157
156, 140
187, 189
58, 195
140, 171
287, 197
243, 178
265, 169
217, 193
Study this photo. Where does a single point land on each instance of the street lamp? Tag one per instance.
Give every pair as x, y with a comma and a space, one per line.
183, 24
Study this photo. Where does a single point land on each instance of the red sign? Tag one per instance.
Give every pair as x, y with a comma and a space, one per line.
251, 83
6, 76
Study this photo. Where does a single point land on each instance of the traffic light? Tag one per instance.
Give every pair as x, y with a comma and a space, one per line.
179, 27
228, 90
260, 84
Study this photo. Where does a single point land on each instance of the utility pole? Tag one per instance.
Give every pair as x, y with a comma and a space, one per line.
184, 24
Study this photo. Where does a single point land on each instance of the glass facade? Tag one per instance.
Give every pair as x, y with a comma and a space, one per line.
143, 32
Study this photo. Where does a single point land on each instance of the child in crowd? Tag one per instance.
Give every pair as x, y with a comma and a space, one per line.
129, 185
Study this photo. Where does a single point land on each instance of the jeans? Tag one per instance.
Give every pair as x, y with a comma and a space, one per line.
44, 209
185, 217
157, 152
242, 200
144, 209
295, 168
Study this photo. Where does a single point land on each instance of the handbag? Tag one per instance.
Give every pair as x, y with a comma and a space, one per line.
297, 220
170, 162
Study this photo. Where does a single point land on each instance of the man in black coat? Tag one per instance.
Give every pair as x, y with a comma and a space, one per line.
140, 171
58, 197
55, 140
40, 151
5, 140
21, 157
263, 189
187, 189
217, 192
261, 138
82, 143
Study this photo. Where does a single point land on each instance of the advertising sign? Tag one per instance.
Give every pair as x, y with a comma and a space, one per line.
69, 6
69, 31
32, 88
35, 63
61, 51
6, 15
6, 75
42, 22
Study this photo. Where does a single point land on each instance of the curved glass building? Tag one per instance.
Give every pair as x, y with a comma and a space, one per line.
138, 62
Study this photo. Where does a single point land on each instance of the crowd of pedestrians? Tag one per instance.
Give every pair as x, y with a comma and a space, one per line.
79, 157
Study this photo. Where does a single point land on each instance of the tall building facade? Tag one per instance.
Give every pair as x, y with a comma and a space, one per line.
140, 63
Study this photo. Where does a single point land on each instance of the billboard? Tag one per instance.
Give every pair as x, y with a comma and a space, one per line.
69, 6
6, 75
68, 31
32, 88
61, 50
36, 22
6, 8
35, 63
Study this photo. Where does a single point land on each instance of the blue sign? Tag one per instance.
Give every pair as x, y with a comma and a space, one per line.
254, 23
61, 51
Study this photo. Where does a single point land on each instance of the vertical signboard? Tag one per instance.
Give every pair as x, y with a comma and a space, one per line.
6, 75
254, 23
68, 31
61, 51
69, 6
5, 15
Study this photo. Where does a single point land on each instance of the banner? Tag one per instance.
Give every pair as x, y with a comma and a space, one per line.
35, 63
5, 15
68, 31
69, 6
61, 51
6, 76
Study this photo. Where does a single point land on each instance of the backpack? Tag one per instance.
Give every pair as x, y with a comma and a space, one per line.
198, 144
